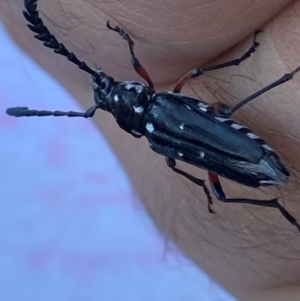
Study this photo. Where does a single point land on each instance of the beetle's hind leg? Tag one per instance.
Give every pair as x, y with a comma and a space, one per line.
199, 71
220, 195
139, 69
218, 192
172, 164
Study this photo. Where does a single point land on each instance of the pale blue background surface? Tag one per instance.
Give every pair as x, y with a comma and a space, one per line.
71, 227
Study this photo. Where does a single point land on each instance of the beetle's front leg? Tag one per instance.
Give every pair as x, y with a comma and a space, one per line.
172, 164
219, 193
139, 69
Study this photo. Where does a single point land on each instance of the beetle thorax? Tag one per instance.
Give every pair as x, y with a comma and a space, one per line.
125, 100
127, 103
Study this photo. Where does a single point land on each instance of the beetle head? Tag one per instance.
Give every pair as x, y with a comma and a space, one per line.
103, 86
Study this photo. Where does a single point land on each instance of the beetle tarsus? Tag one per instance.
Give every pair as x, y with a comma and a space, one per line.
199, 71
266, 203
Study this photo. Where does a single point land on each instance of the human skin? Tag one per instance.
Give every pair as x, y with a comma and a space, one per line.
251, 251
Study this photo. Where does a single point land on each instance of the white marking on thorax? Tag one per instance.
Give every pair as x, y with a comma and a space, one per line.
202, 106
129, 85
139, 88
136, 133
138, 109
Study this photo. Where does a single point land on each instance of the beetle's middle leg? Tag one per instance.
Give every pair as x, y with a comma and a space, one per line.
219, 193
199, 71
172, 164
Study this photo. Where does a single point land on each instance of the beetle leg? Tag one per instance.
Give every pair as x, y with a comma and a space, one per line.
278, 82
199, 71
216, 186
218, 191
139, 69
172, 164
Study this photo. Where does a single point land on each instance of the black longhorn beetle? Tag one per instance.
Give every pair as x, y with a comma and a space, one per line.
176, 126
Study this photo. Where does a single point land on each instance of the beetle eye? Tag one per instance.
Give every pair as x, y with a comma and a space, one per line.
103, 85
106, 84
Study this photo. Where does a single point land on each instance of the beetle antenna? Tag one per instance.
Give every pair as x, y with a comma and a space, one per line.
25, 112
43, 34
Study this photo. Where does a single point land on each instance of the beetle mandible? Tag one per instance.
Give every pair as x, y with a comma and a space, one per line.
176, 126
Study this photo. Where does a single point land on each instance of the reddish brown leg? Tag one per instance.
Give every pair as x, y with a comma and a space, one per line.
221, 109
216, 186
172, 164
139, 69
199, 71
219, 193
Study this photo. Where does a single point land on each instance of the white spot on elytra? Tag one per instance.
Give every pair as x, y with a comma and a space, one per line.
252, 136
237, 126
116, 97
202, 154
222, 119
150, 127
202, 106
267, 147
188, 107
181, 126
176, 94
180, 154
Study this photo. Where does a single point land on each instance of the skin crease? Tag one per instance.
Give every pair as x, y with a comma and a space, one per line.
252, 251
